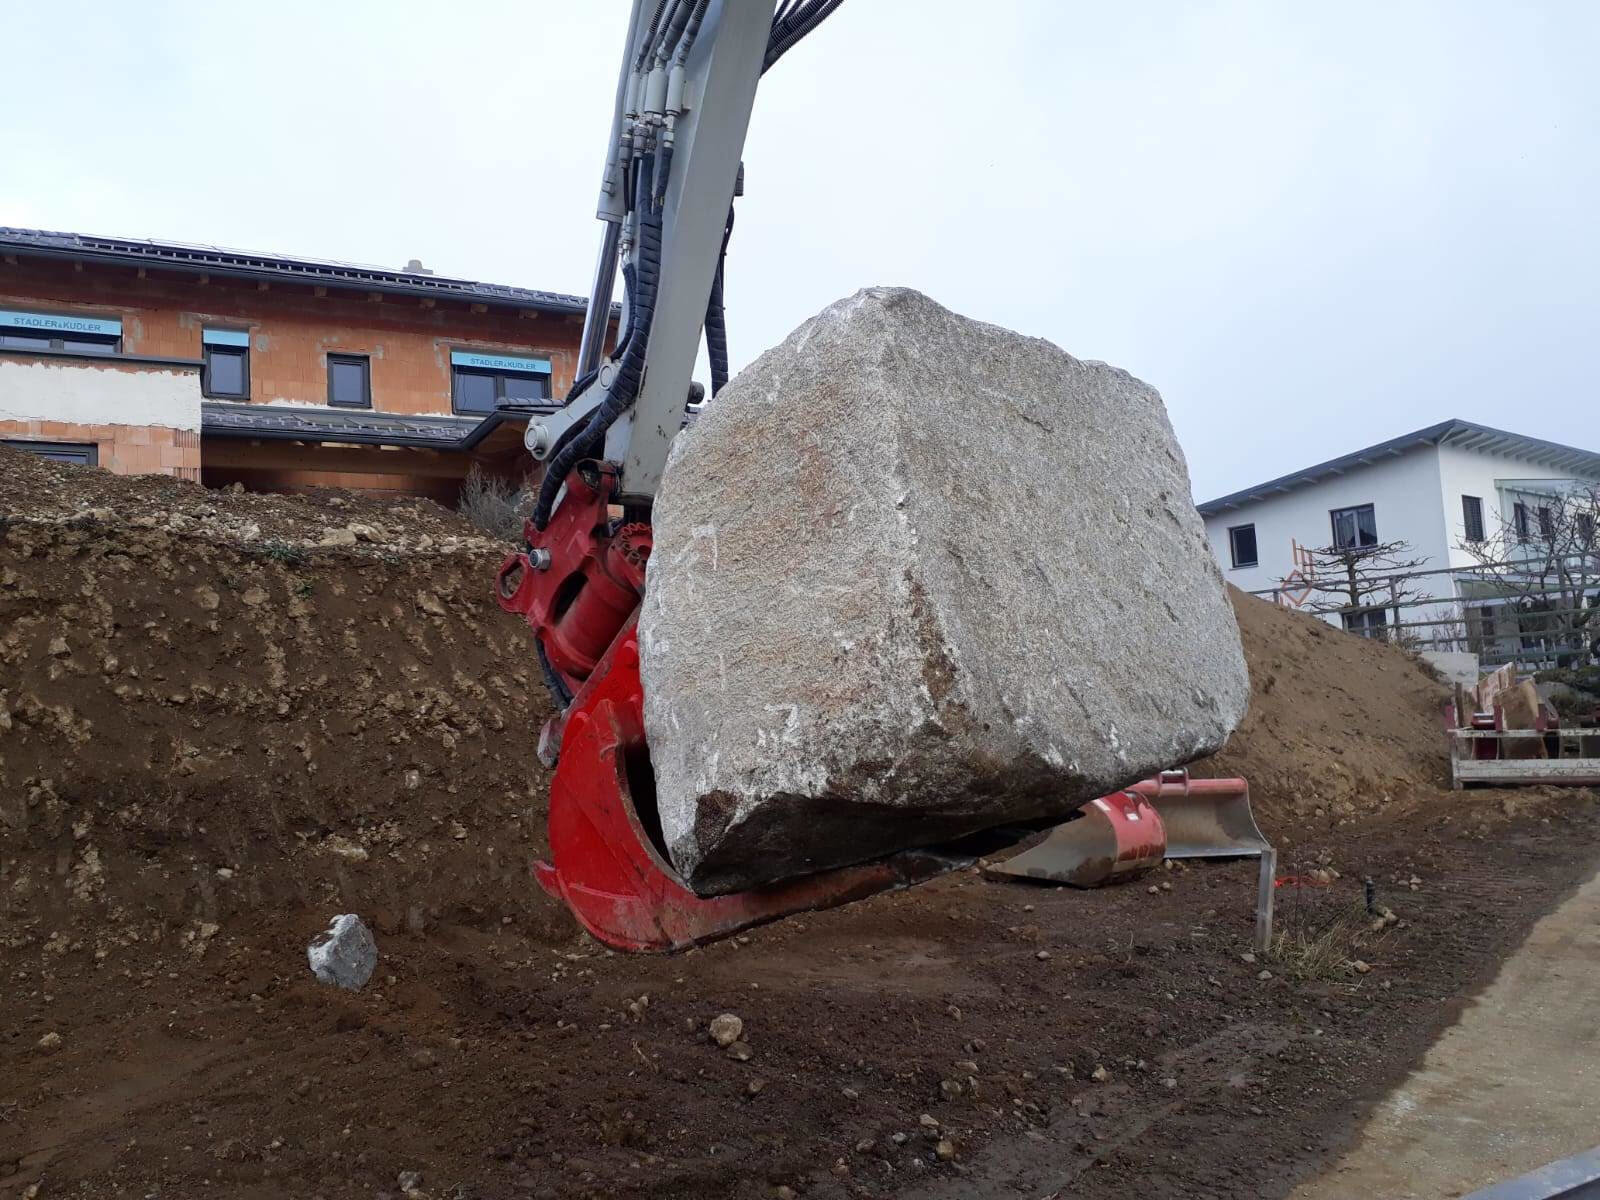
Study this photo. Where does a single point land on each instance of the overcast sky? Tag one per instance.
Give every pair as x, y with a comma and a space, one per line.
1312, 227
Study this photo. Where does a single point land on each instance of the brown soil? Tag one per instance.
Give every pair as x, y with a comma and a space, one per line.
1338, 726
213, 738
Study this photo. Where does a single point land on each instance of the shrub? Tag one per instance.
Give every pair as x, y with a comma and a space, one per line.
496, 505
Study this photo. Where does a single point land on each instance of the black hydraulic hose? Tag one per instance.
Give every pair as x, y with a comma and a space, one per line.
647, 45
630, 362
552, 678
793, 24
716, 316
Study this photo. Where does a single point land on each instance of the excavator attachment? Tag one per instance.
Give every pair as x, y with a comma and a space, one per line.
1109, 838
1205, 818
607, 861
1127, 832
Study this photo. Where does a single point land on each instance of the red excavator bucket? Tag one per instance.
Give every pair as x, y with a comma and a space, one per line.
608, 866
1109, 838
1170, 816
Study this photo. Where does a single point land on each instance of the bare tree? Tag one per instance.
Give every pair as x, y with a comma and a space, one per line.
1361, 583
1544, 560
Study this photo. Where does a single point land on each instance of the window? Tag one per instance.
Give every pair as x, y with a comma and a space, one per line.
481, 382
85, 454
1242, 543
227, 370
349, 384
1547, 524
1472, 517
1367, 622
1519, 515
1354, 528
1585, 530
59, 331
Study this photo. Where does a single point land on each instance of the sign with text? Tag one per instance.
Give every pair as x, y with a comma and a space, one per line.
499, 362
59, 323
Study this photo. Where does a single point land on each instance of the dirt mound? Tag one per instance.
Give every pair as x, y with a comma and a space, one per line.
34, 490
1337, 724
205, 711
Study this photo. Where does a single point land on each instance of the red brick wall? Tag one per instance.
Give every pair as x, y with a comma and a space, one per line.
293, 329
123, 449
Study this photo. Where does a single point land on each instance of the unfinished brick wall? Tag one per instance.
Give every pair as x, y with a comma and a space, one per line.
293, 327
124, 449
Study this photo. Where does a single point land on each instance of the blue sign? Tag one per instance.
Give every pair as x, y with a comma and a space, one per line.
57, 323
224, 337
499, 362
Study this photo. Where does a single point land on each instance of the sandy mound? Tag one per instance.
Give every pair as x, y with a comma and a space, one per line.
1336, 722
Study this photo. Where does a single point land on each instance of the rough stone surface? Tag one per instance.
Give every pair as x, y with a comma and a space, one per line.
344, 954
915, 576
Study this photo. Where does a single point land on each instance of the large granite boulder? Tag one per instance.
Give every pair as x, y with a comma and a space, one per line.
916, 576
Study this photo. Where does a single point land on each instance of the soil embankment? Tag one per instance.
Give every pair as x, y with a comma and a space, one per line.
225, 718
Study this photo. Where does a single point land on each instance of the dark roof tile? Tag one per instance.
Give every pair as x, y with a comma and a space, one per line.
217, 260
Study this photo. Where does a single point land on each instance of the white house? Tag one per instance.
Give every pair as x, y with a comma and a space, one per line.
1433, 489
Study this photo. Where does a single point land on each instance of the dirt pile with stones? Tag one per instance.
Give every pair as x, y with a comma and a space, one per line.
216, 703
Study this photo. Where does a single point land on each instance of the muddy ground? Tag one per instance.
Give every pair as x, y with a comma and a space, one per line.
189, 790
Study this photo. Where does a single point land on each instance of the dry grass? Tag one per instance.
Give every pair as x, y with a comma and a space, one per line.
495, 505
1325, 940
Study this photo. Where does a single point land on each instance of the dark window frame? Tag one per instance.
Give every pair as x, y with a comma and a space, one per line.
1547, 523
1233, 546
1472, 518
499, 377
89, 451
1357, 509
242, 353
364, 361
1519, 520
1368, 622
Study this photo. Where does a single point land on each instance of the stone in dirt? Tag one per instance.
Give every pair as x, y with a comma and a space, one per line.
725, 1029
344, 954
916, 576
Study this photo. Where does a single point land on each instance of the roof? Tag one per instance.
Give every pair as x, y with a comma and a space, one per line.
282, 422
244, 264
1463, 434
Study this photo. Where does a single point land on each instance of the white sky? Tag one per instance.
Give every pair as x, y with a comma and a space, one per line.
1312, 227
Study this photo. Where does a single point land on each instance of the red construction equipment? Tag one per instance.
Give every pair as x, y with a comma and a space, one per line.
607, 861
685, 91
1531, 746
1128, 832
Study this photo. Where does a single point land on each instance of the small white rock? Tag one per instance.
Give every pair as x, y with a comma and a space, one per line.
345, 954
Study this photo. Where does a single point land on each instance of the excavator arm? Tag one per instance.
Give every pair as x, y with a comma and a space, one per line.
684, 95
683, 101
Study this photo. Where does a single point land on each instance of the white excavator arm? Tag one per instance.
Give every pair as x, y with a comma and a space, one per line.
684, 96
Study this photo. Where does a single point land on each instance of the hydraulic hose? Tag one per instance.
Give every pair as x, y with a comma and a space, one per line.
716, 316
630, 361
793, 23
